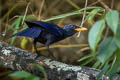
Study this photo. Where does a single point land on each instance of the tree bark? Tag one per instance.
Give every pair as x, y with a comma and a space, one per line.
17, 59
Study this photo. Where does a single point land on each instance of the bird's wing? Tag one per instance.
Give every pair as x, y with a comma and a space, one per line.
52, 28
29, 32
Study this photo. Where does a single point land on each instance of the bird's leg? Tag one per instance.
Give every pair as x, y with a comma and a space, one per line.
50, 53
34, 44
47, 46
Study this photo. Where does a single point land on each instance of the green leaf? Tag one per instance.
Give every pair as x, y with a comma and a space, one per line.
25, 26
87, 62
112, 19
69, 14
92, 14
20, 74
117, 37
30, 17
42, 70
32, 77
17, 23
118, 54
99, 76
115, 69
23, 74
106, 49
101, 65
112, 65
95, 34
86, 57
12, 25
97, 63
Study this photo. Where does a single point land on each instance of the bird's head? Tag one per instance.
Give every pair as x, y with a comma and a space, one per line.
72, 29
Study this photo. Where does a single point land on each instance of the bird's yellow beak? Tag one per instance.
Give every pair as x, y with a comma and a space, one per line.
81, 29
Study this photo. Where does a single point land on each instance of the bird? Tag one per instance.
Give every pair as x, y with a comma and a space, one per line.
47, 33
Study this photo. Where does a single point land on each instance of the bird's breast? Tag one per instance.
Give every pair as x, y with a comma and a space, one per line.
45, 35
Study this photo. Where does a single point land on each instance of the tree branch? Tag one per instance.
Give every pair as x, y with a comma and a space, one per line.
18, 59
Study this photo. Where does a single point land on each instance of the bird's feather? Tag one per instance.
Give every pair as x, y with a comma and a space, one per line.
29, 32
52, 28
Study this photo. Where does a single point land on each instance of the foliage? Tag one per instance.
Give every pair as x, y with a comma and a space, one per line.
27, 75
24, 74
108, 50
105, 49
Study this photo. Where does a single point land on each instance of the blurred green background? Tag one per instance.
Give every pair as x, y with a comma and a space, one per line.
94, 48
50, 8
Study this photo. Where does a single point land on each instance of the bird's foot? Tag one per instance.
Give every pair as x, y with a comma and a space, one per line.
49, 55
52, 56
38, 55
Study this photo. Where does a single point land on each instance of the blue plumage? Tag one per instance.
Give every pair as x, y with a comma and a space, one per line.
52, 28
47, 33
29, 32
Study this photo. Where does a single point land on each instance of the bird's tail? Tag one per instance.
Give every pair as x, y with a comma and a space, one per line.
16, 34
29, 32
9, 37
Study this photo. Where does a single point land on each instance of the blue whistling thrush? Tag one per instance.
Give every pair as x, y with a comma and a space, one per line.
47, 33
